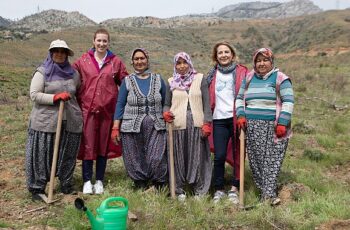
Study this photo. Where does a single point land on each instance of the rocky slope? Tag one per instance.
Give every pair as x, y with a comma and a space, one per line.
238, 11
268, 9
4, 22
53, 20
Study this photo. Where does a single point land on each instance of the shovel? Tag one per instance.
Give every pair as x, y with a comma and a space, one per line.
171, 161
241, 168
50, 199
241, 173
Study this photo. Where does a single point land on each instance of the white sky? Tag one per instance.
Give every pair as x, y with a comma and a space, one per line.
100, 10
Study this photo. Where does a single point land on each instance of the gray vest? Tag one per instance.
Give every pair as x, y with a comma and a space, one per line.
138, 106
44, 116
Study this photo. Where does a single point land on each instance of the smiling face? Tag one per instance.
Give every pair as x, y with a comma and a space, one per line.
59, 55
263, 64
224, 55
182, 67
140, 61
101, 43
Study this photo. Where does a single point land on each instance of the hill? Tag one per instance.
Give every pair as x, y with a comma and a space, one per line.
4, 22
324, 33
52, 20
268, 9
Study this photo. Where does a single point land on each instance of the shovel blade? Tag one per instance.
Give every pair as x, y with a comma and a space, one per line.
46, 199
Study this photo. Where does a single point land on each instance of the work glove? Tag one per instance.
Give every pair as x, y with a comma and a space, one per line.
168, 116
242, 123
206, 130
115, 135
64, 96
281, 131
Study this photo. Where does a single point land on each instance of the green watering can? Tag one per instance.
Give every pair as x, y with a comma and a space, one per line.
108, 216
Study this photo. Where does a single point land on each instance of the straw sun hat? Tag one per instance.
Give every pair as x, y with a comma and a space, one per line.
61, 44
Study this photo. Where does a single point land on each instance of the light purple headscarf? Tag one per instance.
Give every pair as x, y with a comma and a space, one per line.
55, 71
182, 82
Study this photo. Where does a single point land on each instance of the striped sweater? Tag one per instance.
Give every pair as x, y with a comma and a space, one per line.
258, 101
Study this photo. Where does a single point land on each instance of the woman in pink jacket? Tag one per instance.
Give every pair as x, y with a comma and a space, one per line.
224, 80
101, 72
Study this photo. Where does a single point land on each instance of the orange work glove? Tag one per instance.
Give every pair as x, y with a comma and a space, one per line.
64, 96
168, 116
115, 135
281, 131
242, 123
206, 130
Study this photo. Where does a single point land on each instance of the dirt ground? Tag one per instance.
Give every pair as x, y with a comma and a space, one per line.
16, 205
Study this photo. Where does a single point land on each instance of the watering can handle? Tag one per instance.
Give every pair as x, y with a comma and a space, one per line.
105, 203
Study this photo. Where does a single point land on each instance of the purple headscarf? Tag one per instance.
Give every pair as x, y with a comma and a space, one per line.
182, 82
55, 71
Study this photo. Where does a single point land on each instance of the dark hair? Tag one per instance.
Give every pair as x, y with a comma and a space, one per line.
215, 50
101, 31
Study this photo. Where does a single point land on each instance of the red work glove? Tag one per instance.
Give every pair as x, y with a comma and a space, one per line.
281, 131
115, 135
242, 123
64, 96
168, 116
206, 130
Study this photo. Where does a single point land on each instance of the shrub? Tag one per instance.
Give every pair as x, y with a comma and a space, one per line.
314, 155
301, 127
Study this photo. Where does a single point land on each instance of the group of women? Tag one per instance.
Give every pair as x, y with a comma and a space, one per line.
205, 112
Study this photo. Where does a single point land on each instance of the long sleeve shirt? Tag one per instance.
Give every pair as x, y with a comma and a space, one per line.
259, 100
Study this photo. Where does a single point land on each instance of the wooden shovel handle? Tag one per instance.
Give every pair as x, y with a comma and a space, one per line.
241, 167
55, 151
171, 160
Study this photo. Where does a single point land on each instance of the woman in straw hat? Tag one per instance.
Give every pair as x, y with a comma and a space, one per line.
53, 81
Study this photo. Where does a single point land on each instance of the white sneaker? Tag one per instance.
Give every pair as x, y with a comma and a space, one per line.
233, 197
87, 189
218, 195
98, 187
181, 197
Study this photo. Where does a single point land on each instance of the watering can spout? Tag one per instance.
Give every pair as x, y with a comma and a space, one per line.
79, 204
93, 221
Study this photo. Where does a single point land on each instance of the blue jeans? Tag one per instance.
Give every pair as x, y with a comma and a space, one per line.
101, 163
222, 132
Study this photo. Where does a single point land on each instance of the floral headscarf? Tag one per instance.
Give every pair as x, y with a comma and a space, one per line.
266, 52
182, 82
144, 51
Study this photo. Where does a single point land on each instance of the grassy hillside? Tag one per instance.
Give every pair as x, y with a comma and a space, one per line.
315, 181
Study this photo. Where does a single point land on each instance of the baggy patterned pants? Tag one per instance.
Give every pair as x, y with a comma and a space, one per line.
265, 156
